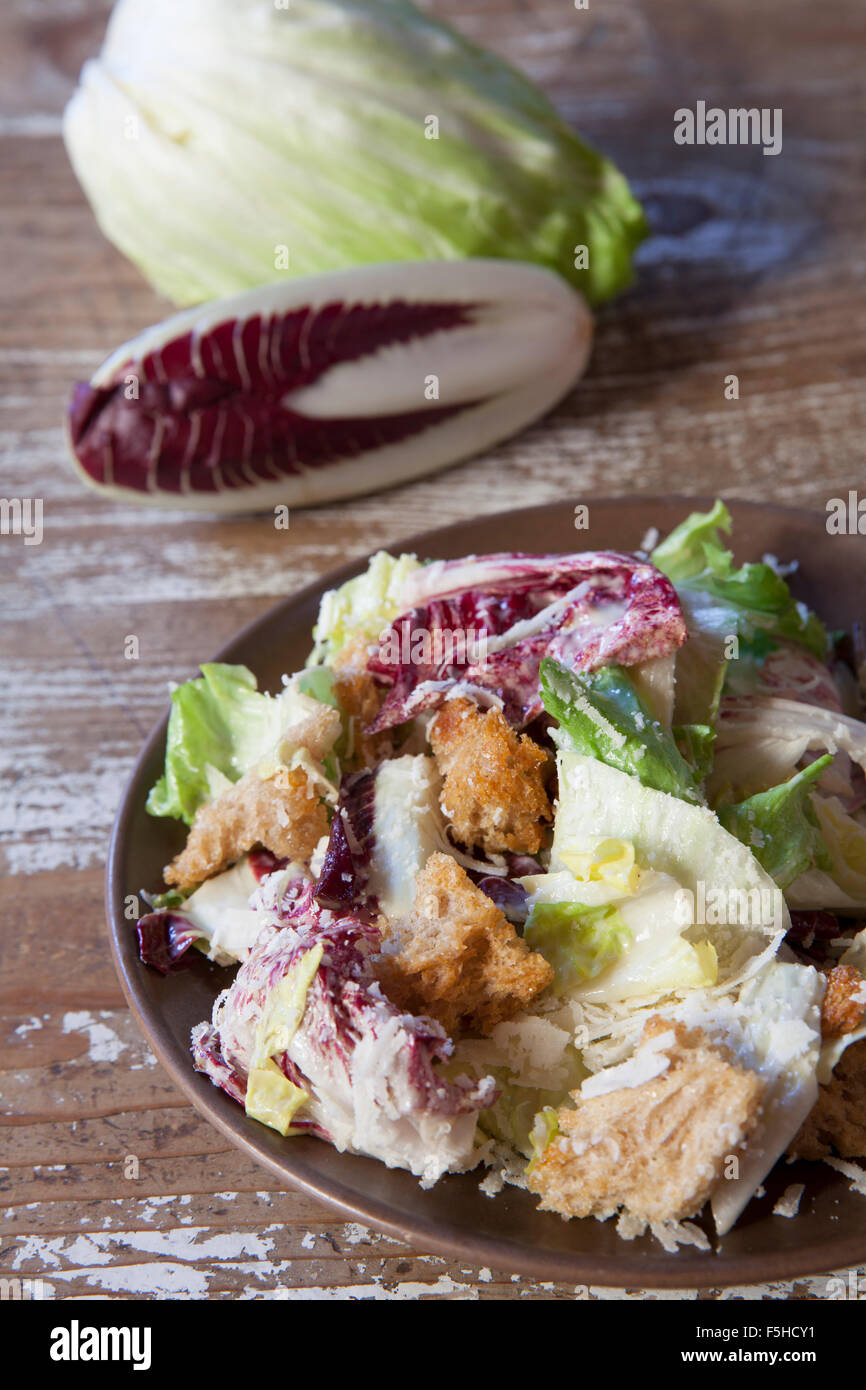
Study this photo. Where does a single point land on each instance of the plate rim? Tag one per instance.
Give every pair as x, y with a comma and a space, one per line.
680, 1270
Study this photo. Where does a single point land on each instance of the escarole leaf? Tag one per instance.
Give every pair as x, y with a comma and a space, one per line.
535, 1065
755, 602
684, 844
284, 140
842, 884
602, 958
696, 742
578, 941
602, 716
780, 826
362, 607
220, 725
545, 1128
703, 661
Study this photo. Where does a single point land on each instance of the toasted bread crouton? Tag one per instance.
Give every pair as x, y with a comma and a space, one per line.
656, 1148
360, 699
460, 960
493, 793
837, 1122
283, 813
844, 1000
314, 728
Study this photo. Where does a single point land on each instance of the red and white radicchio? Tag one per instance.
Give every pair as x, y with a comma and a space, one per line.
587, 610
328, 386
368, 1068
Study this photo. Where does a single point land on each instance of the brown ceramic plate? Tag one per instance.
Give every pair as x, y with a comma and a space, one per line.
454, 1217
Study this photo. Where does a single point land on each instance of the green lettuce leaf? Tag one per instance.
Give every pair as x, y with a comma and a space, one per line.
175, 897
362, 607
780, 826
219, 727
545, 1128
578, 941
512, 1118
318, 683
603, 717
654, 913
752, 603
695, 742
674, 838
703, 662
536, 1065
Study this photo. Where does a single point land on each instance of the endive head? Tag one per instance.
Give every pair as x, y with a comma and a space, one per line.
226, 144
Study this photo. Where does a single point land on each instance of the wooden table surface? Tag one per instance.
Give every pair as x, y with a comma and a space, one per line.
755, 268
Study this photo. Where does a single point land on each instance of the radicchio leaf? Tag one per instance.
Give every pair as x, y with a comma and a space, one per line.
208, 1058
394, 1093
164, 939
586, 610
810, 934
312, 390
263, 862
208, 410
509, 897
350, 846
503, 889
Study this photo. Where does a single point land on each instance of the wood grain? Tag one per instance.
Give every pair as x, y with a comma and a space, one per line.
755, 268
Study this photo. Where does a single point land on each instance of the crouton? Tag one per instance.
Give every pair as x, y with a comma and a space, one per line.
837, 1122
844, 1001
459, 959
360, 699
493, 792
657, 1148
314, 728
282, 813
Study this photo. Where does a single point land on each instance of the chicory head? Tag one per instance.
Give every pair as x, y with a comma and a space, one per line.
226, 144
